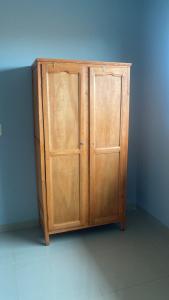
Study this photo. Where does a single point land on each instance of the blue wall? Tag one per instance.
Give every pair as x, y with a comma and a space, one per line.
97, 29
153, 130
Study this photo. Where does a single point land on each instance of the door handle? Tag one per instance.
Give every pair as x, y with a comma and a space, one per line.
81, 143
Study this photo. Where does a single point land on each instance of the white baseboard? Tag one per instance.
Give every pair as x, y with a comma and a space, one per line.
19, 226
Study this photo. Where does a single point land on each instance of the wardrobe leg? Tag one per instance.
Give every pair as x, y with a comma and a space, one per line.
122, 226
47, 239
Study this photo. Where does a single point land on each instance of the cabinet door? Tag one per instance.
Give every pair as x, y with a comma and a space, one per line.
108, 143
65, 126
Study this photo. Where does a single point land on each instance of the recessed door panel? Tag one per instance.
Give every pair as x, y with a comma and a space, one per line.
65, 188
107, 110
64, 110
106, 189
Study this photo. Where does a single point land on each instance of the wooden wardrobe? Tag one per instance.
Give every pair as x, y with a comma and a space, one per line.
81, 113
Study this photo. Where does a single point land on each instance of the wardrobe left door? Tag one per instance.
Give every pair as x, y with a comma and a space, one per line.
65, 107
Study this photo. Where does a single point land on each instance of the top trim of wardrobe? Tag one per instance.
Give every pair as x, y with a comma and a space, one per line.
87, 62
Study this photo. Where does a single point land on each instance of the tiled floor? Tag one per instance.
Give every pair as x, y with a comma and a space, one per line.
97, 264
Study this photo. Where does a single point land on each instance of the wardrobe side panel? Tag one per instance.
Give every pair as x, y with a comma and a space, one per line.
124, 130
39, 148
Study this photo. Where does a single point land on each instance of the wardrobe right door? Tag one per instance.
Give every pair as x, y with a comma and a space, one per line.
109, 110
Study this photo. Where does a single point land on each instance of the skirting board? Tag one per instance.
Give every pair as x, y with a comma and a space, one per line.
35, 223
18, 226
